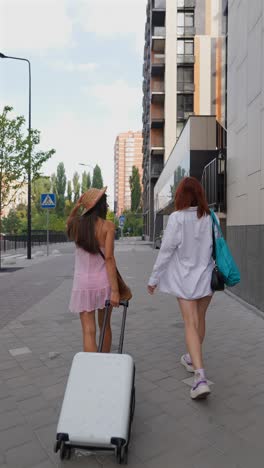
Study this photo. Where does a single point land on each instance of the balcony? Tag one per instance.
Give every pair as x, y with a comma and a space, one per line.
158, 39
185, 58
185, 87
156, 170
158, 12
157, 92
158, 65
186, 31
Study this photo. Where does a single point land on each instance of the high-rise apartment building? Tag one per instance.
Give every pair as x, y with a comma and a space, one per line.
183, 75
128, 153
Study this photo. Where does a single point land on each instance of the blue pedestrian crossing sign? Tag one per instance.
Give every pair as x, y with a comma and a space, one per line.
48, 200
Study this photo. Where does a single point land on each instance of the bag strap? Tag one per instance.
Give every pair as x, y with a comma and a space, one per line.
213, 236
101, 253
216, 223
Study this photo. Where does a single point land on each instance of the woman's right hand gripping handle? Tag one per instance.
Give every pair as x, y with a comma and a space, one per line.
111, 264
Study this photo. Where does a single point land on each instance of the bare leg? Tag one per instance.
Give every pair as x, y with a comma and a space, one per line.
203, 304
89, 331
108, 332
189, 310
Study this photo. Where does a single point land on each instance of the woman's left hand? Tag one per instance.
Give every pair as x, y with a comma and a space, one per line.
151, 289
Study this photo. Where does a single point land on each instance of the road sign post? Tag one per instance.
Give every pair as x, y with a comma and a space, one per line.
48, 201
47, 233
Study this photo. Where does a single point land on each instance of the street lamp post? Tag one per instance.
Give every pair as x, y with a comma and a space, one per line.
29, 151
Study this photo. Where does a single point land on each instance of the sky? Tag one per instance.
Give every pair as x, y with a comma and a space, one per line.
86, 59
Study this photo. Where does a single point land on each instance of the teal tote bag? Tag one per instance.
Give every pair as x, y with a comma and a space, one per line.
223, 258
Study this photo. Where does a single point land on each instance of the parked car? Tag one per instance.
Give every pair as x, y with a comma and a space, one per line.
158, 240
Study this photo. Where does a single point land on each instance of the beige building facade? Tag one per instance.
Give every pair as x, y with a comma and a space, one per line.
127, 153
16, 197
245, 145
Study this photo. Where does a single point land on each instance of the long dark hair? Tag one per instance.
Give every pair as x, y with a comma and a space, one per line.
82, 228
191, 193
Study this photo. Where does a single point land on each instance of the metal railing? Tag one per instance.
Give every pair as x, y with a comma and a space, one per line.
14, 242
158, 86
156, 170
185, 58
159, 31
158, 59
159, 4
186, 31
184, 86
214, 182
186, 4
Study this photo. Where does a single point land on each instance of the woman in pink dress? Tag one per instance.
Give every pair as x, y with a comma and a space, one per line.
95, 278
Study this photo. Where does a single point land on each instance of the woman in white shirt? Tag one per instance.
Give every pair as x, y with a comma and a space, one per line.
184, 268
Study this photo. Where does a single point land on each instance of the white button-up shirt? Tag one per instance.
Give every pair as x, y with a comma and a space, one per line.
184, 265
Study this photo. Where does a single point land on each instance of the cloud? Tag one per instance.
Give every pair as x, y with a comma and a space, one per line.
35, 25
74, 67
113, 18
91, 139
119, 101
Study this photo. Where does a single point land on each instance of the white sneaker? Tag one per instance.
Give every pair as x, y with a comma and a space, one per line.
187, 364
200, 390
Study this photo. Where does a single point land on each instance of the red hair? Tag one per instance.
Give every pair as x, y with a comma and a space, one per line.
191, 193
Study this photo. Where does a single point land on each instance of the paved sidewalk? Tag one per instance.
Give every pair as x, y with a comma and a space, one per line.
169, 429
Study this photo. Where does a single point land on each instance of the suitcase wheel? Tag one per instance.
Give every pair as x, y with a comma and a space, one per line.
65, 451
122, 455
57, 446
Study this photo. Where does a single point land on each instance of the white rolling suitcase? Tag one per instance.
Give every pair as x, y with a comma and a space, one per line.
99, 401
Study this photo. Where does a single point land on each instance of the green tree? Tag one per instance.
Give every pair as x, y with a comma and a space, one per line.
89, 182
133, 224
76, 187
14, 156
61, 182
39, 186
97, 178
84, 181
11, 223
53, 187
111, 217
69, 191
135, 187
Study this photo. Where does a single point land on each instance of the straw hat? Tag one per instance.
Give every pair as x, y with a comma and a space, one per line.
91, 198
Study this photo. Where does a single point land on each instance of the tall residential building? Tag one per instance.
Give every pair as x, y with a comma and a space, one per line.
183, 76
128, 153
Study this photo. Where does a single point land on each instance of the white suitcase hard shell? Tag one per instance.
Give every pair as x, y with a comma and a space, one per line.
98, 404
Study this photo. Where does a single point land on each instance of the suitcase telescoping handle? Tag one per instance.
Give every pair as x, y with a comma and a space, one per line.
122, 333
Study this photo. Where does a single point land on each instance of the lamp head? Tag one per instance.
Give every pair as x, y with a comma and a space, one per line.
2, 55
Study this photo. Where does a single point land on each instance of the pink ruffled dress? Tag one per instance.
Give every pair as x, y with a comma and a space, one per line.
91, 286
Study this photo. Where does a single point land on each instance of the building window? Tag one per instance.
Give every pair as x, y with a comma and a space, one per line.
185, 79
184, 105
185, 74
185, 47
185, 23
